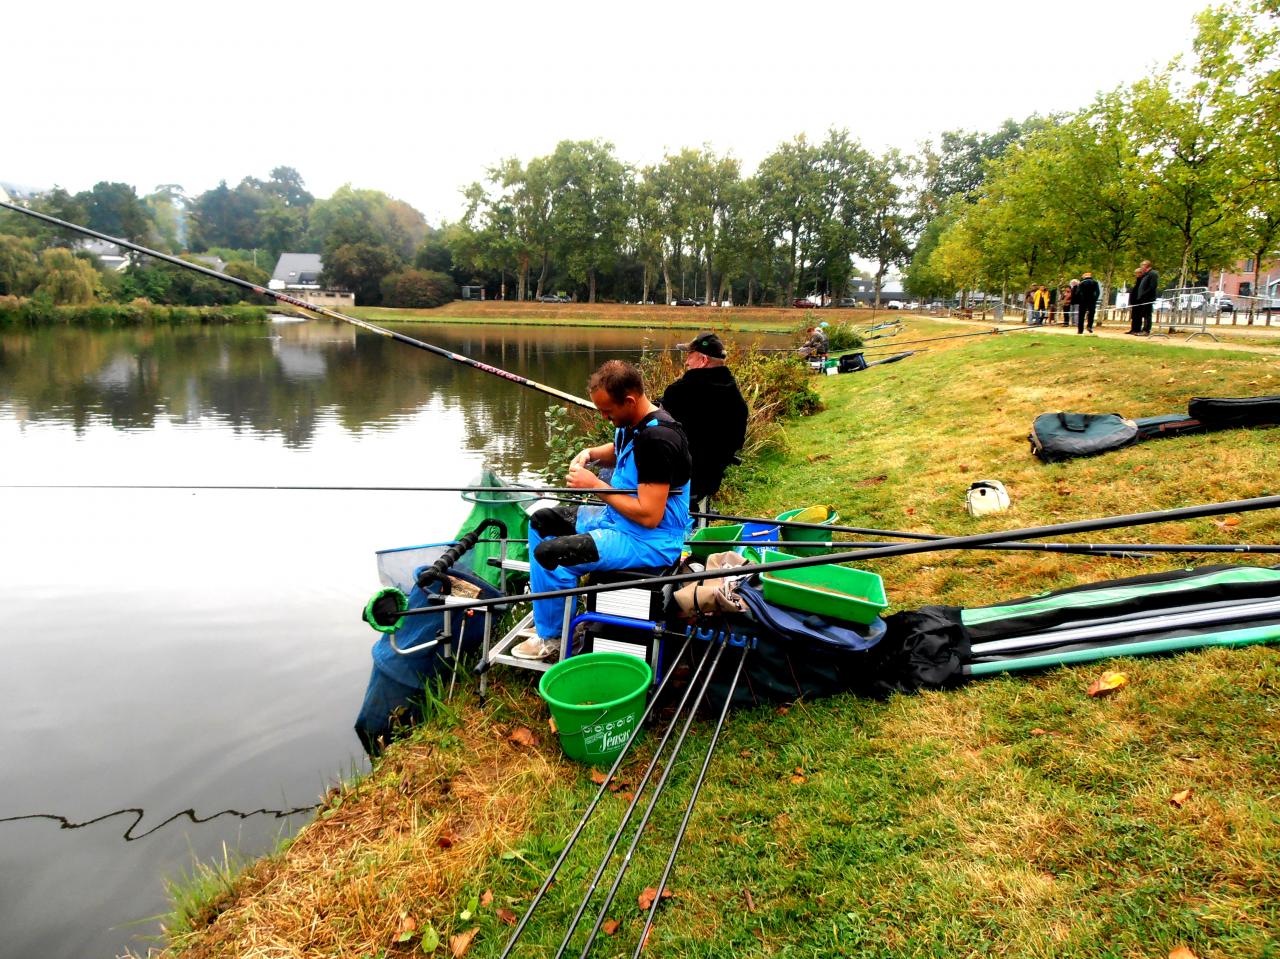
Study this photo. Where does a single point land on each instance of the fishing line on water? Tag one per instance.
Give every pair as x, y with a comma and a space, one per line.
138, 813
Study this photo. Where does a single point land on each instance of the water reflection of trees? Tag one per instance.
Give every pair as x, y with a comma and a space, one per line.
284, 380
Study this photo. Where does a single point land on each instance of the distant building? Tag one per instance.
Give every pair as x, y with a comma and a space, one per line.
215, 263
113, 258
298, 274
1239, 282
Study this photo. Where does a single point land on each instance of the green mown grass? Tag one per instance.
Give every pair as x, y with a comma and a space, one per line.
1015, 816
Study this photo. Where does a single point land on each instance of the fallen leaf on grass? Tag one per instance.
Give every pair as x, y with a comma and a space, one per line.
407, 926
1108, 683
598, 777
627, 796
1228, 523
1038, 732
751, 903
872, 480
817, 457
1208, 371
911, 510
1179, 799
1182, 952
610, 926
523, 736
552, 723
486, 898
459, 944
447, 839
506, 915
645, 899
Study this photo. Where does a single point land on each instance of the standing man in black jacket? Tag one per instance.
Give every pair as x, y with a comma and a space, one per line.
1142, 298
1085, 300
707, 403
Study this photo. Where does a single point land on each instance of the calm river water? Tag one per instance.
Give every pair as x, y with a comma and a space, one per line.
196, 650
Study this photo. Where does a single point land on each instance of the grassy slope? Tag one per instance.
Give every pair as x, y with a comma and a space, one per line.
1014, 817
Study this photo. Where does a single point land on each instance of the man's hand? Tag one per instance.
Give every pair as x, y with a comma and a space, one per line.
582, 478
580, 461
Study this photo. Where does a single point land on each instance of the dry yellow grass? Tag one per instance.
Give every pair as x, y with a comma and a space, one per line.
389, 855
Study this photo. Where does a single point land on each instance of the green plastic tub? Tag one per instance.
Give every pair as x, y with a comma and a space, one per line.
795, 534
707, 540
597, 700
839, 592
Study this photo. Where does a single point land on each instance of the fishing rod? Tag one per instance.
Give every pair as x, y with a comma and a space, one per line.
648, 813
304, 305
1120, 550
506, 490
604, 786
688, 811
900, 549
702, 683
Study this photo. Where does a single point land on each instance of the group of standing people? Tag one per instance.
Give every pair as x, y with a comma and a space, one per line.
1078, 300
1142, 299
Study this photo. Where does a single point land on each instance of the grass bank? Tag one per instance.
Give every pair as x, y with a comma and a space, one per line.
1012, 817
759, 319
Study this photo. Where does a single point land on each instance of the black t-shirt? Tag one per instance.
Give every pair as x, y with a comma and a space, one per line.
661, 451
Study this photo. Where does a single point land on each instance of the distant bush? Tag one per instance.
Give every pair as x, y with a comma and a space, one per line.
39, 310
418, 289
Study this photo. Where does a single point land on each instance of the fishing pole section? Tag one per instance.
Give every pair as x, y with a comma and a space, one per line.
309, 307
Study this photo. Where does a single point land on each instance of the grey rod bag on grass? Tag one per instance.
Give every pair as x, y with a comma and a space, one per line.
1064, 436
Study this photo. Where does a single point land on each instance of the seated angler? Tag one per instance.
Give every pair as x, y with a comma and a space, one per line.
706, 401
644, 530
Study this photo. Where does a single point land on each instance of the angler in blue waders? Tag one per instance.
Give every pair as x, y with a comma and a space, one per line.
649, 454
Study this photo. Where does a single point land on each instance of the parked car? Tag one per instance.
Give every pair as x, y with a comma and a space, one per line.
800, 303
553, 298
684, 301
1162, 305
893, 305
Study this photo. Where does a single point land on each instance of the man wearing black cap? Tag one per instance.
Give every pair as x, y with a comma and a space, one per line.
707, 403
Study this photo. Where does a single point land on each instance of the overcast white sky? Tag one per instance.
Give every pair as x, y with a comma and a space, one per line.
417, 99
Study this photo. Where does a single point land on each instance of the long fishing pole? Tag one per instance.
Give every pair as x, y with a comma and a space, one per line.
698, 681
648, 813
504, 490
688, 811
303, 304
604, 786
901, 549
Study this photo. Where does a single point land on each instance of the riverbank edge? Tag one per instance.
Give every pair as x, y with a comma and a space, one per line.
766, 476
33, 314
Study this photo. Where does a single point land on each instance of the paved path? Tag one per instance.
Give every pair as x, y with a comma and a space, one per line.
1117, 332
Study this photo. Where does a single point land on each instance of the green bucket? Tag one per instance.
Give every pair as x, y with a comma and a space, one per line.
798, 534
596, 700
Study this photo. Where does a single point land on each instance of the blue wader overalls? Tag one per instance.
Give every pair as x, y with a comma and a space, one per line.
621, 543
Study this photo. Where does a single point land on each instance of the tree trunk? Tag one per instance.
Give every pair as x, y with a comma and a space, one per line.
791, 284
522, 280
708, 285
542, 277
751, 290
666, 280
502, 284
591, 285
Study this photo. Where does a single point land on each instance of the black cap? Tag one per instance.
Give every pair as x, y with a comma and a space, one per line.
708, 344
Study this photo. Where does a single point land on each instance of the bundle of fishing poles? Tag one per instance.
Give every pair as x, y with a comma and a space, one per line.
719, 647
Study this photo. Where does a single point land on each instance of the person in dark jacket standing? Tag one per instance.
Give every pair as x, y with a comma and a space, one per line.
1086, 300
1142, 298
706, 401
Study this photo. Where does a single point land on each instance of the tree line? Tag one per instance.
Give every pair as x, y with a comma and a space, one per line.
1180, 168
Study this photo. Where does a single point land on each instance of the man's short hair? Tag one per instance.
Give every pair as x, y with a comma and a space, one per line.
617, 378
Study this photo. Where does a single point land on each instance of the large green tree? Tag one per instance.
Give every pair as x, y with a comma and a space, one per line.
115, 209
590, 215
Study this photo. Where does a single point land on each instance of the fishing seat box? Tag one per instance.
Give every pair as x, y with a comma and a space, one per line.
631, 620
